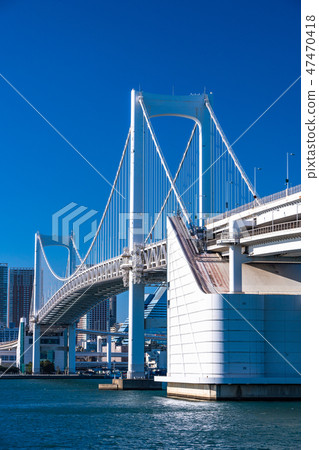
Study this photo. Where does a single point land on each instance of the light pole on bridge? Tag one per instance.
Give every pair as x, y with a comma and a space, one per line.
287, 179
255, 179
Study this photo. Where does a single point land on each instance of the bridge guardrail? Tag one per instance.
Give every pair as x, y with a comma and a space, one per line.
263, 230
271, 228
262, 201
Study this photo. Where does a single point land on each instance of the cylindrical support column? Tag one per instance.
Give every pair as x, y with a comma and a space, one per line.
109, 351
65, 343
99, 340
37, 272
136, 331
235, 258
21, 345
36, 349
235, 273
136, 291
71, 345
36, 306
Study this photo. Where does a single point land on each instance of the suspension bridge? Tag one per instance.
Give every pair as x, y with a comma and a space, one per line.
210, 203
128, 250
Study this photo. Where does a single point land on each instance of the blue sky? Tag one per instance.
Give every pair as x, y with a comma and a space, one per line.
77, 61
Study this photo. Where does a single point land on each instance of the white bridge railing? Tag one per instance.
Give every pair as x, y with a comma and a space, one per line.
261, 201
276, 227
153, 257
272, 228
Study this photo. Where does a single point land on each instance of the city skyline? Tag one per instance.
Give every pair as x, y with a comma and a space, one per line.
84, 111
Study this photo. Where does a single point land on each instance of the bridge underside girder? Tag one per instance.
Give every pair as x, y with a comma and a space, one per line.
76, 304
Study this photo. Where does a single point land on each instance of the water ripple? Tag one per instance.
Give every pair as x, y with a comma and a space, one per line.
75, 414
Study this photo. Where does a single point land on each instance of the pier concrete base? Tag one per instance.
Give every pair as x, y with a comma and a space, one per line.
130, 385
214, 392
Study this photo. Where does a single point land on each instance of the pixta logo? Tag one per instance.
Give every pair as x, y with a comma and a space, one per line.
70, 218
142, 223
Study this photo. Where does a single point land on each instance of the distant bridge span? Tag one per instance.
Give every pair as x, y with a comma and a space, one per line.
94, 284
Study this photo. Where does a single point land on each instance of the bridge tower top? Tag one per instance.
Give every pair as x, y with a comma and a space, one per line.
192, 107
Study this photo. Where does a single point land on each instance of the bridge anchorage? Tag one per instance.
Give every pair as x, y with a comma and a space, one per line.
156, 228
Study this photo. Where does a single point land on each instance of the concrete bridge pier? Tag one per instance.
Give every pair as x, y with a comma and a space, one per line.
99, 349
136, 331
71, 345
36, 304
109, 352
66, 352
36, 349
235, 259
235, 270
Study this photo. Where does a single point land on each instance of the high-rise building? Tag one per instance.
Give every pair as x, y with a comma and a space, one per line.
3, 293
81, 338
101, 318
112, 312
19, 294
